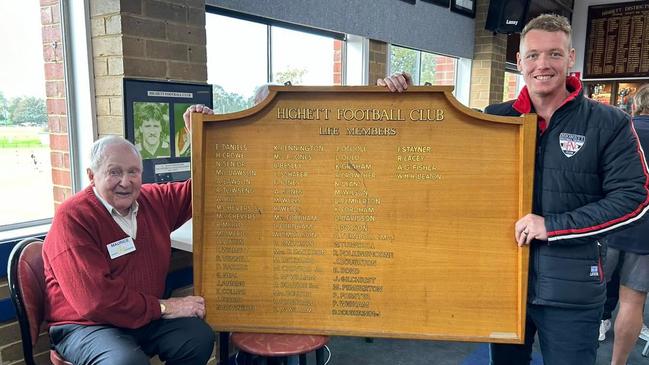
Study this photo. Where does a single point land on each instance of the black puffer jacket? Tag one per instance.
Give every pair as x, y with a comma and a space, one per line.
636, 238
590, 179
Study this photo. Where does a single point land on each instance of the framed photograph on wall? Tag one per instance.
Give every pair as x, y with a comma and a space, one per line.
464, 7
443, 3
153, 115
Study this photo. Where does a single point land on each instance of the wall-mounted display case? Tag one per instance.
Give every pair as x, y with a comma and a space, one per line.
617, 93
600, 91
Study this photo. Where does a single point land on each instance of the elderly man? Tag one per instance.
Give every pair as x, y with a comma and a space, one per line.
106, 259
590, 180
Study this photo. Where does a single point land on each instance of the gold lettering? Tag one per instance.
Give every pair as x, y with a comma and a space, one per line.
426, 115
303, 113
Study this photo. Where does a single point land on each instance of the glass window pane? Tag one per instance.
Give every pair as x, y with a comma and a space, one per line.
26, 188
404, 60
236, 61
437, 69
304, 58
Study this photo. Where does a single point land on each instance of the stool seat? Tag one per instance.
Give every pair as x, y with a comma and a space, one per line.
272, 345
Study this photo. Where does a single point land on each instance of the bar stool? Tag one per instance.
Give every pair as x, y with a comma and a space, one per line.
276, 348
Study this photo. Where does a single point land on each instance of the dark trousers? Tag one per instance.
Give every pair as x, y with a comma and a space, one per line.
566, 337
612, 295
176, 341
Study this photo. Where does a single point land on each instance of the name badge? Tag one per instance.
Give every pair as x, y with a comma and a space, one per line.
121, 247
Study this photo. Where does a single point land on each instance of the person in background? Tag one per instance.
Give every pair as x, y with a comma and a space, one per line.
612, 297
590, 180
627, 256
106, 260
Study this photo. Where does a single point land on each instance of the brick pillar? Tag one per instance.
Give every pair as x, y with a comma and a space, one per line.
488, 69
378, 61
106, 40
338, 62
157, 39
56, 100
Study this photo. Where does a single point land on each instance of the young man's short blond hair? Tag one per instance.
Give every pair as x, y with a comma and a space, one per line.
641, 100
549, 23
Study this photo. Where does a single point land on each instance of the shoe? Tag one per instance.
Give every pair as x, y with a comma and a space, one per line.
644, 333
604, 326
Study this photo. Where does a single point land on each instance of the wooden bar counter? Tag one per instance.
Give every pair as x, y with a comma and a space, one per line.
355, 211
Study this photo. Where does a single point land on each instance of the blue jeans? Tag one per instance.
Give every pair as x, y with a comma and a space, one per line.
176, 341
566, 337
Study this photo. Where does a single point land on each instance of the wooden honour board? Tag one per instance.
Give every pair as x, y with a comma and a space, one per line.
356, 211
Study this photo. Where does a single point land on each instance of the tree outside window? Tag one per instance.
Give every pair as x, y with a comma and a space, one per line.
423, 66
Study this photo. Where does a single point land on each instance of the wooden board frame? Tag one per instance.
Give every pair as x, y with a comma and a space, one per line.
465, 280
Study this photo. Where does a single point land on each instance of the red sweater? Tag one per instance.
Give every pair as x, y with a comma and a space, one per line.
83, 285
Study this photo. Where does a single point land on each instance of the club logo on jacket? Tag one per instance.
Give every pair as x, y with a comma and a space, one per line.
571, 143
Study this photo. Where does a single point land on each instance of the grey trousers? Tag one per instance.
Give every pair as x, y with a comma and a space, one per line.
175, 341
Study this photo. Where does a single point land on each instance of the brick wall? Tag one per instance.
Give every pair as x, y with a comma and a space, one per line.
445, 71
56, 100
510, 87
488, 68
161, 40
378, 55
338, 62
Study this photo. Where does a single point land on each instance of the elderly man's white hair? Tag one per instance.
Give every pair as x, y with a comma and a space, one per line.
262, 92
97, 152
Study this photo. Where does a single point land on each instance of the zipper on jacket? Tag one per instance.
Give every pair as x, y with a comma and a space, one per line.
538, 168
600, 266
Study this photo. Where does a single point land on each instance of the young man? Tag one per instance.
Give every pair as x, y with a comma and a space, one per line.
628, 256
151, 139
590, 179
106, 259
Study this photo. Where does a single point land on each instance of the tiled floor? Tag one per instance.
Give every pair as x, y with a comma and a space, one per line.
356, 351
359, 351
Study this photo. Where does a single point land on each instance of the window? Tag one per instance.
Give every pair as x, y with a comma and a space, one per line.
513, 85
272, 52
236, 65
26, 188
423, 66
303, 58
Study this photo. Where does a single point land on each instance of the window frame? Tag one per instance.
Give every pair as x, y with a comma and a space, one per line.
80, 104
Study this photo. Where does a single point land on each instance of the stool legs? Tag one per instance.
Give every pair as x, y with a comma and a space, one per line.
224, 348
245, 358
319, 356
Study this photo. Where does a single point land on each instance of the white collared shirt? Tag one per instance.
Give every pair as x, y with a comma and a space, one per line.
128, 222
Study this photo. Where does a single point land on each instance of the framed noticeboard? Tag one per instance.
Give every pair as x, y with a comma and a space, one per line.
356, 211
153, 114
618, 93
617, 40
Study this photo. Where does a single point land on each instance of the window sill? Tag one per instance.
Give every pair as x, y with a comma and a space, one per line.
24, 232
